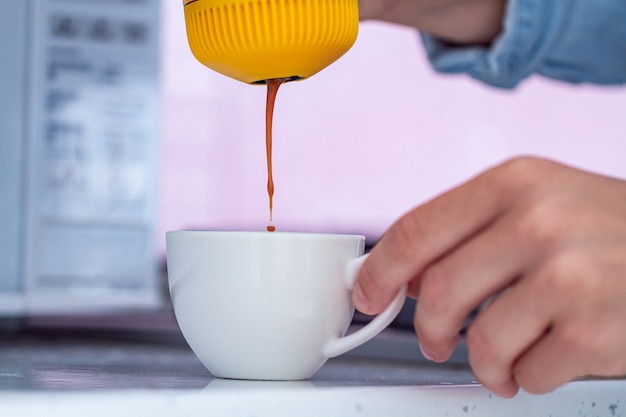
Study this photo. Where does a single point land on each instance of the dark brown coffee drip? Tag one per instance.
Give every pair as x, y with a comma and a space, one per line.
272, 91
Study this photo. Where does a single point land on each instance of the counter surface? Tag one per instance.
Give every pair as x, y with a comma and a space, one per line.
132, 373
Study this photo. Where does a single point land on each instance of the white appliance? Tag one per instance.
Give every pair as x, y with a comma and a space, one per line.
79, 84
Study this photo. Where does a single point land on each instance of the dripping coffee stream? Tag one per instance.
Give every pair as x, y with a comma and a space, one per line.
272, 91
257, 52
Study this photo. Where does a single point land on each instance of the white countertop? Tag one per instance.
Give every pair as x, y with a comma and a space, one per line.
598, 398
102, 374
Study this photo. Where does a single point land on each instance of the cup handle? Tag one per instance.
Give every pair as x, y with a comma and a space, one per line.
341, 345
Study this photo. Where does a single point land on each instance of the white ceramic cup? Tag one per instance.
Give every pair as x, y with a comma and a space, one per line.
267, 306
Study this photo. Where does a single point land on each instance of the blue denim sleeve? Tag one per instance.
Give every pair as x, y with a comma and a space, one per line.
570, 40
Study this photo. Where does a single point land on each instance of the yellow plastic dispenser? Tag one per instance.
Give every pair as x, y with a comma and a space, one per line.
257, 40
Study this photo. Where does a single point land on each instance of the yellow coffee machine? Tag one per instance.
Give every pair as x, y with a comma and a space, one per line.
258, 40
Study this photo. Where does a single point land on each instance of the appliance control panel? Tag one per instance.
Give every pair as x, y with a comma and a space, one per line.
91, 147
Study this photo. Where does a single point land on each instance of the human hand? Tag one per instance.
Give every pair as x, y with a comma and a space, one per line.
544, 243
458, 21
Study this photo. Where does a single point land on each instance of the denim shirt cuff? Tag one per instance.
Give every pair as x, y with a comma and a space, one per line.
528, 30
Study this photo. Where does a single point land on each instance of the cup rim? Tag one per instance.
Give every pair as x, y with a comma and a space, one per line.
265, 234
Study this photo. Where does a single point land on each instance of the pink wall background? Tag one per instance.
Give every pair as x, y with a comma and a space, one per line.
361, 142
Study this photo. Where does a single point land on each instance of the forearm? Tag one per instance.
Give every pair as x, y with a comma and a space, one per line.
456, 21
575, 41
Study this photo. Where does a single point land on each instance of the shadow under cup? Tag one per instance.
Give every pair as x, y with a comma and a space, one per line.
269, 306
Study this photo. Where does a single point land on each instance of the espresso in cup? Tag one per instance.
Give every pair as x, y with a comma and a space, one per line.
267, 306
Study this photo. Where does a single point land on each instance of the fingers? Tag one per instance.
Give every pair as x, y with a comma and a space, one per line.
547, 240
554, 324
503, 332
586, 290
422, 236
454, 286
549, 363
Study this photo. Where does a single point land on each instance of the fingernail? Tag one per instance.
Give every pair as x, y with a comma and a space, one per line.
427, 353
360, 301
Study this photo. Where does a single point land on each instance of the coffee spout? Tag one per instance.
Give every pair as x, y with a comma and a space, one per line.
283, 80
